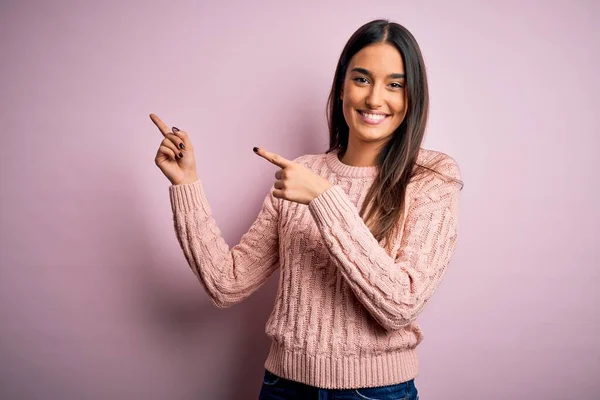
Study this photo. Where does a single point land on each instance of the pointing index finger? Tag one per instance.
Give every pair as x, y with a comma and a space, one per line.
274, 158
159, 124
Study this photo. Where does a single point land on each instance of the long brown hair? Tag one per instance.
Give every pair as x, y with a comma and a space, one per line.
397, 160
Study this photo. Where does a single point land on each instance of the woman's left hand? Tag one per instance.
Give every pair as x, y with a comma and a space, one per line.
294, 181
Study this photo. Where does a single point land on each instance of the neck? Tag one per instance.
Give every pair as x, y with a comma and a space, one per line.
361, 154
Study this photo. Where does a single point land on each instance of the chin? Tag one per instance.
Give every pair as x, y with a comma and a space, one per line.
372, 136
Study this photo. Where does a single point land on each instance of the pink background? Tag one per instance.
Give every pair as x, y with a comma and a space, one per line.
96, 298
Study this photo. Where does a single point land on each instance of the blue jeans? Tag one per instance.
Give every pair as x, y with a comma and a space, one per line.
277, 388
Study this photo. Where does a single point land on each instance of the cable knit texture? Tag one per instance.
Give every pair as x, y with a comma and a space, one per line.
345, 310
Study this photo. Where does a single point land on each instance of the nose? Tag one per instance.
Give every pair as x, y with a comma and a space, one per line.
375, 98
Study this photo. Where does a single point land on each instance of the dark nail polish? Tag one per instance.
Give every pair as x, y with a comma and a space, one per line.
180, 155
175, 129
255, 149
181, 146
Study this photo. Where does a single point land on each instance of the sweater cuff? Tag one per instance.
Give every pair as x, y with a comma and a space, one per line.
188, 197
331, 205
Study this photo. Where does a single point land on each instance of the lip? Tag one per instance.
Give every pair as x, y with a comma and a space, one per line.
373, 112
370, 121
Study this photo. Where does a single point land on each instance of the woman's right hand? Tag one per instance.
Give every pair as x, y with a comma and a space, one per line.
178, 170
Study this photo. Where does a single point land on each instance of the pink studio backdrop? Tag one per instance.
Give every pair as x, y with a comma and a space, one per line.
96, 298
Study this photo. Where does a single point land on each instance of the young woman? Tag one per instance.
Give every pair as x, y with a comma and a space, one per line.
362, 234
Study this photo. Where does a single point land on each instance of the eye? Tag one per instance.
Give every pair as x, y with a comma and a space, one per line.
358, 79
398, 85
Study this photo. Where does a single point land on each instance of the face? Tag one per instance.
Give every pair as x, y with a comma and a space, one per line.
374, 96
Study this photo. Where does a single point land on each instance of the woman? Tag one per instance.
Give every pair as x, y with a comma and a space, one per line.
362, 233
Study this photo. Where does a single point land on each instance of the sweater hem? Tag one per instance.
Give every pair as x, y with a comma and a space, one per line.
343, 372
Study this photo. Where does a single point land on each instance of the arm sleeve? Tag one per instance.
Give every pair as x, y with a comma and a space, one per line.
228, 275
394, 290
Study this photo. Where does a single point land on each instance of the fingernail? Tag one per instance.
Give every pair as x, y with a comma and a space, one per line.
175, 129
181, 146
180, 155
255, 149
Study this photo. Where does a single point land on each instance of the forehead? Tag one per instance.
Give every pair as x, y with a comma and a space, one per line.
380, 59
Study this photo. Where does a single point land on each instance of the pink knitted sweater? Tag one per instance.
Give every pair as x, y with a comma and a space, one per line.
345, 310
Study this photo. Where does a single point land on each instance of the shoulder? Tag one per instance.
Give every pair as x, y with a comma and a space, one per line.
442, 174
440, 162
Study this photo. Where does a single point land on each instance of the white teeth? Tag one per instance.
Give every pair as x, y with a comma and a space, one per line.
376, 117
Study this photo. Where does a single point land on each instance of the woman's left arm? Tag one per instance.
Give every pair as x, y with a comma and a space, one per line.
393, 290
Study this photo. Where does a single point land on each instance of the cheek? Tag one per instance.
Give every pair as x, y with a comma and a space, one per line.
347, 111
352, 101
399, 108
348, 104
399, 104
354, 98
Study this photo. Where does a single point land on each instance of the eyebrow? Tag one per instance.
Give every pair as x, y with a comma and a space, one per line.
368, 73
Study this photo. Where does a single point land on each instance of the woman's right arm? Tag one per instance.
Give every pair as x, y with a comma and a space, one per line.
228, 275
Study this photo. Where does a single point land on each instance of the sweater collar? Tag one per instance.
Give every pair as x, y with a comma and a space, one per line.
350, 171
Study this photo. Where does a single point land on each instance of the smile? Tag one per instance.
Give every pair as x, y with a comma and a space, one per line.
372, 119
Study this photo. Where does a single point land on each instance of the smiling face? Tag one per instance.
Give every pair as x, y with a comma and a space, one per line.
374, 96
